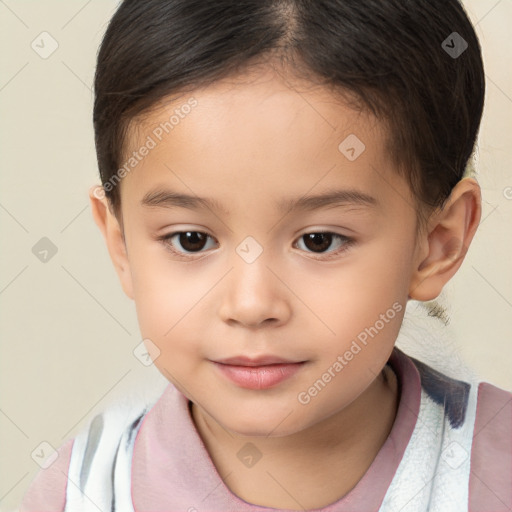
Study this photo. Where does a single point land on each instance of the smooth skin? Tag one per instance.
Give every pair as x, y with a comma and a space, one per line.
248, 144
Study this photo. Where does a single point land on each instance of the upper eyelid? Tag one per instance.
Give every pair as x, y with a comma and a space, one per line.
326, 231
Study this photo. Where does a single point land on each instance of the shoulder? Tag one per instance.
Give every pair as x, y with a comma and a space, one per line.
493, 404
86, 459
492, 437
491, 453
102, 451
463, 436
47, 492
484, 411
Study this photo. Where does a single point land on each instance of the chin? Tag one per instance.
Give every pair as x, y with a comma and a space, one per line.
257, 426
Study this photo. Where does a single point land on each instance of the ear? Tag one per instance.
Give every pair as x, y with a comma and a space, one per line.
113, 234
444, 245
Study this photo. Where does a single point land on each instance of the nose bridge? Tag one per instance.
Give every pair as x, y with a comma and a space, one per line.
250, 262
253, 293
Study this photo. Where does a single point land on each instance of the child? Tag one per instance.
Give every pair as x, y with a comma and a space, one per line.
280, 178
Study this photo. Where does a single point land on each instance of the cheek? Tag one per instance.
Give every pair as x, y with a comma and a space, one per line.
172, 304
161, 285
353, 295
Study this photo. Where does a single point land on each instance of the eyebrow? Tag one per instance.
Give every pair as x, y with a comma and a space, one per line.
332, 198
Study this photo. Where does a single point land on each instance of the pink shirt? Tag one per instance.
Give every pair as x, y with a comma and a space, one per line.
166, 466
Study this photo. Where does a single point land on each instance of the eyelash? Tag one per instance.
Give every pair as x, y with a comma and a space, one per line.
348, 243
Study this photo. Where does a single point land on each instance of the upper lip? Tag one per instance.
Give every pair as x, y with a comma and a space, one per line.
255, 361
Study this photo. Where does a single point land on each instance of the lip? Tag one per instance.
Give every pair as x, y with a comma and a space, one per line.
257, 376
255, 361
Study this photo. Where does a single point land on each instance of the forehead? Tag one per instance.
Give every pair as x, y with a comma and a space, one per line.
265, 104
257, 135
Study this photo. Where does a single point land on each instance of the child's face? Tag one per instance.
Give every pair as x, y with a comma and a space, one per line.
249, 147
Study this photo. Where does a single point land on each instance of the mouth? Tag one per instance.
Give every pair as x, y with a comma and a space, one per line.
261, 373
264, 360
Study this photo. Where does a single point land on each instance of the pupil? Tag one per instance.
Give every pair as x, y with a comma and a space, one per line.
190, 239
318, 238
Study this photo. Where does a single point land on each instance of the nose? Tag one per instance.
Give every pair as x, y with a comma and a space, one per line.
253, 294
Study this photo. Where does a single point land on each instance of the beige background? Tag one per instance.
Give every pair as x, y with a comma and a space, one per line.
67, 330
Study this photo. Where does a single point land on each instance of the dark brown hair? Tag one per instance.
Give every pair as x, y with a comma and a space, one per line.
415, 64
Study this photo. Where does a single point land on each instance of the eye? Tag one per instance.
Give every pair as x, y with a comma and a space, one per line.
190, 241
319, 241
193, 242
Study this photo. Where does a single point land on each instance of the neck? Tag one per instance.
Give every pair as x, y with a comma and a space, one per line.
328, 458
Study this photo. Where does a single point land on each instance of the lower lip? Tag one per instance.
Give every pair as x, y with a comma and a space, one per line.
259, 377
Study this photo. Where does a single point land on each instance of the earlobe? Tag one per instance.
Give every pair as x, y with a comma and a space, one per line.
113, 235
447, 240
